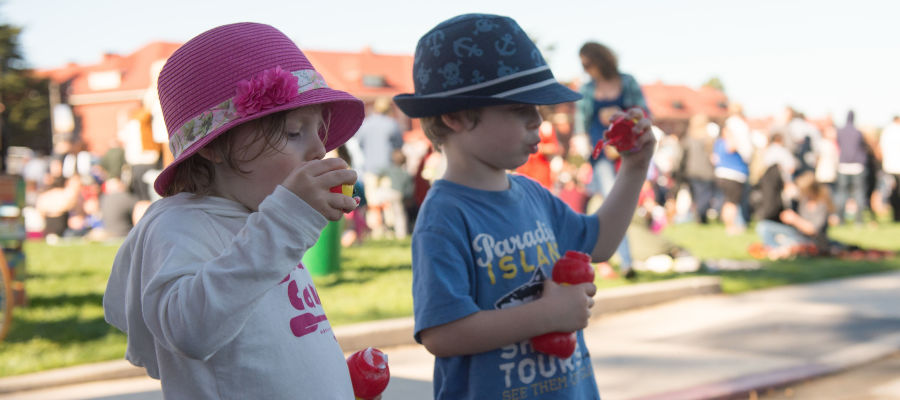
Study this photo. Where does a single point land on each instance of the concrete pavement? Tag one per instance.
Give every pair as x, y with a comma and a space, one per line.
693, 347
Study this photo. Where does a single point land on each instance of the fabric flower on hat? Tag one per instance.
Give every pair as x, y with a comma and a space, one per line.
268, 89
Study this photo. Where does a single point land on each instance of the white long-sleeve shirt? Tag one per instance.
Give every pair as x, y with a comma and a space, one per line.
890, 143
216, 305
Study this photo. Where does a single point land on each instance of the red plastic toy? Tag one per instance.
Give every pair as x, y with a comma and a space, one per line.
619, 135
573, 268
346, 190
369, 373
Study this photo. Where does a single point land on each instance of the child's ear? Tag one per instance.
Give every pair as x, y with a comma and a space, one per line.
456, 121
210, 155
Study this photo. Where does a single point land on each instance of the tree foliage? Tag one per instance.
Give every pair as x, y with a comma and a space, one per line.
715, 83
24, 97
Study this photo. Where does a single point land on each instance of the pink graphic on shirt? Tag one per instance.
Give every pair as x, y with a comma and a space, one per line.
299, 266
307, 323
307, 299
310, 297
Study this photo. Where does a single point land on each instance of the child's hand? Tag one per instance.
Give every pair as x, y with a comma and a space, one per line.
313, 181
567, 306
646, 141
789, 217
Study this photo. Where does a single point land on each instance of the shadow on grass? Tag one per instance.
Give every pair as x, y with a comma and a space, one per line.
64, 331
358, 275
799, 271
95, 299
774, 273
60, 275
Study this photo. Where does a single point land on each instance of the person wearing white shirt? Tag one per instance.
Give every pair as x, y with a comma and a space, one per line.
890, 162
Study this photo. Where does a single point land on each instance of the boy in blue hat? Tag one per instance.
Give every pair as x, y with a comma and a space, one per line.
485, 241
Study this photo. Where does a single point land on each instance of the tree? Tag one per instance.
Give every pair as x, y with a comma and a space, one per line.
715, 83
24, 98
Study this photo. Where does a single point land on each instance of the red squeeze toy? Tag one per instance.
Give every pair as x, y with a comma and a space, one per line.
573, 268
346, 190
619, 135
369, 373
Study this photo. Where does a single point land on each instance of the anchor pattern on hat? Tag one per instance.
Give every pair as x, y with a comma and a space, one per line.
471, 50
507, 47
466, 47
503, 70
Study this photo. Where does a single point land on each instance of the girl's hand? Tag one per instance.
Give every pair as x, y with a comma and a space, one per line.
646, 142
567, 306
313, 180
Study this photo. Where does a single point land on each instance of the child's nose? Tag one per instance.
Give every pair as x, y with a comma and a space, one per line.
316, 151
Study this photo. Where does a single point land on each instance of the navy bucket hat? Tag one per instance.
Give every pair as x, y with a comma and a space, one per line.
478, 60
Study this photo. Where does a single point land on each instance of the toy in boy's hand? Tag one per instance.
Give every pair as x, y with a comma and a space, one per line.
620, 135
369, 373
573, 268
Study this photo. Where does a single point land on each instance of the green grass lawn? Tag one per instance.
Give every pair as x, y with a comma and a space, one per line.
63, 324
710, 242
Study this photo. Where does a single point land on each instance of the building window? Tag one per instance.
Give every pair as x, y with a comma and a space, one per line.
104, 80
374, 81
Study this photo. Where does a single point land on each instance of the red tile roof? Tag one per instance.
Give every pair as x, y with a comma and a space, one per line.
357, 72
681, 102
361, 74
134, 69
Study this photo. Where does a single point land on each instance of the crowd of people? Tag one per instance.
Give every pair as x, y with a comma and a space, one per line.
726, 171
720, 170
73, 193
713, 171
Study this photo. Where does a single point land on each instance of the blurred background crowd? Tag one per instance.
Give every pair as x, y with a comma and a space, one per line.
75, 193
89, 141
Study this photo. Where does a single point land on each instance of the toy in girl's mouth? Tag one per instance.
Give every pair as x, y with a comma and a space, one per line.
346, 190
369, 373
619, 135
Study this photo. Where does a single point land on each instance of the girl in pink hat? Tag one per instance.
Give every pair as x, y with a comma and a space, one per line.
207, 285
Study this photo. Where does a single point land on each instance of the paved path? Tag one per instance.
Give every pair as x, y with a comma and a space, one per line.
701, 347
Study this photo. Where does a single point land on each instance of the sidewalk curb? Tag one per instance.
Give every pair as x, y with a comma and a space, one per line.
383, 333
70, 375
741, 386
399, 331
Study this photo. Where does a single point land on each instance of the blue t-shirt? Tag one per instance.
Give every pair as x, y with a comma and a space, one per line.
729, 159
479, 250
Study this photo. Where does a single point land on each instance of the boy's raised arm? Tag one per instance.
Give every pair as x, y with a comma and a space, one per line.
618, 208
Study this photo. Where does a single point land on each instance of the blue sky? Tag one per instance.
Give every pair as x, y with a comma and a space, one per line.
819, 56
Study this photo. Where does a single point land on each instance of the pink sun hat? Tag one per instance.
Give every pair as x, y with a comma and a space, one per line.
237, 73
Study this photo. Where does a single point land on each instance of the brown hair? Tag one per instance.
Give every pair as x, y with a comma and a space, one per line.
437, 131
197, 174
601, 57
698, 129
814, 190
